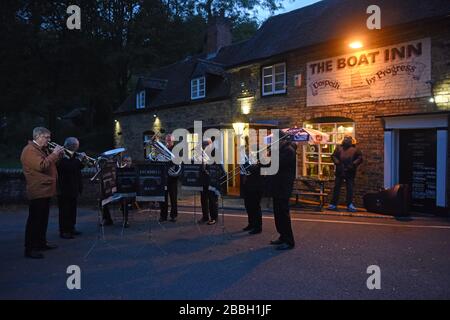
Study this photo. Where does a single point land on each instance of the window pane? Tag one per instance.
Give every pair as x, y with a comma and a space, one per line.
279, 87
267, 71
328, 171
280, 68
326, 158
312, 169
279, 78
327, 128
312, 157
312, 148
268, 88
326, 148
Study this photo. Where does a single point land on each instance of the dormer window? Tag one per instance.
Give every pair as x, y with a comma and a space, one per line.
140, 100
274, 79
198, 88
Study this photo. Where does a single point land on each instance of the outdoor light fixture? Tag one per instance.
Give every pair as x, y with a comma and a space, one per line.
239, 128
154, 116
431, 100
356, 45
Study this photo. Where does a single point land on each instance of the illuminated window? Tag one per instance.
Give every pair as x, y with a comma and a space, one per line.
317, 158
192, 140
274, 79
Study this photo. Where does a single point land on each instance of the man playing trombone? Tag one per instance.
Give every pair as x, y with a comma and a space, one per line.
252, 189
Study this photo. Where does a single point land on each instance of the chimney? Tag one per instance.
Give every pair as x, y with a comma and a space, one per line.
218, 34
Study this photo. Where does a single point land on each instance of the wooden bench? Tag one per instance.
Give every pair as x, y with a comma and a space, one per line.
320, 195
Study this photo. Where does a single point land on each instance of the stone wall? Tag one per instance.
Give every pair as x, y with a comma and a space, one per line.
13, 188
130, 128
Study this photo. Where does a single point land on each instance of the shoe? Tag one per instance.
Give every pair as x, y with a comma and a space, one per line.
351, 208
332, 207
255, 231
162, 219
211, 222
276, 242
202, 221
247, 228
76, 233
47, 246
173, 219
66, 236
108, 222
285, 246
33, 254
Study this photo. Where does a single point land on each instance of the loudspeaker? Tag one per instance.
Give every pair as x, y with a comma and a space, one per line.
394, 201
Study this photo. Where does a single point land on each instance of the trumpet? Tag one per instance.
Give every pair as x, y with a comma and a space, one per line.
89, 161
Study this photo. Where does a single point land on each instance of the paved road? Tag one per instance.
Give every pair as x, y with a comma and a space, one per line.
185, 261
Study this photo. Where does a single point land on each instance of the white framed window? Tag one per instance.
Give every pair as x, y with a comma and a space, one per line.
198, 88
140, 100
274, 79
317, 161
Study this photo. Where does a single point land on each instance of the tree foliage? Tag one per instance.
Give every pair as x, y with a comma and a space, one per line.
47, 72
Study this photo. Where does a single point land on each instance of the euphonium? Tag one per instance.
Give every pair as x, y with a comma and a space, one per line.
159, 152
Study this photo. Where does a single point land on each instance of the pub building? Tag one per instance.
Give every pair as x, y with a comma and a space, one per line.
319, 67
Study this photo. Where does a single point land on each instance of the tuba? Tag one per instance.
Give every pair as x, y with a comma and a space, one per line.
159, 152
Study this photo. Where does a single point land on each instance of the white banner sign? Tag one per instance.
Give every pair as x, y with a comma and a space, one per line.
395, 72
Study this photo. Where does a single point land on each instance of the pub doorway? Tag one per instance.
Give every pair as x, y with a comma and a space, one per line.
418, 167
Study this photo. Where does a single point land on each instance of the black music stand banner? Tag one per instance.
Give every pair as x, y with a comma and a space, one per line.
126, 182
108, 182
217, 178
151, 181
190, 177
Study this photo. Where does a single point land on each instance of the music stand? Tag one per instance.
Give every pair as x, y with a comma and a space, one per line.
107, 184
190, 181
151, 187
216, 185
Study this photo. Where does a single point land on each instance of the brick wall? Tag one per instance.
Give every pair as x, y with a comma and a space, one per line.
290, 109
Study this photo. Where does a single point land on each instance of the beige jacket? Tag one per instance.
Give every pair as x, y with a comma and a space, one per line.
39, 168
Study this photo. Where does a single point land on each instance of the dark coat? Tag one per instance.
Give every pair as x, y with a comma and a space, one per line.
252, 183
347, 160
70, 183
283, 182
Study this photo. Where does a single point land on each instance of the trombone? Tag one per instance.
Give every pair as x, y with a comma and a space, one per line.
243, 168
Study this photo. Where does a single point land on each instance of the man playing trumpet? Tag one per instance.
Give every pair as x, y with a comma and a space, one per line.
39, 168
69, 187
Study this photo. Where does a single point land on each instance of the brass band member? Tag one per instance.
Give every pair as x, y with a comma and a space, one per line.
209, 199
172, 191
39, 168
252, 189
282, 185
69, 187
